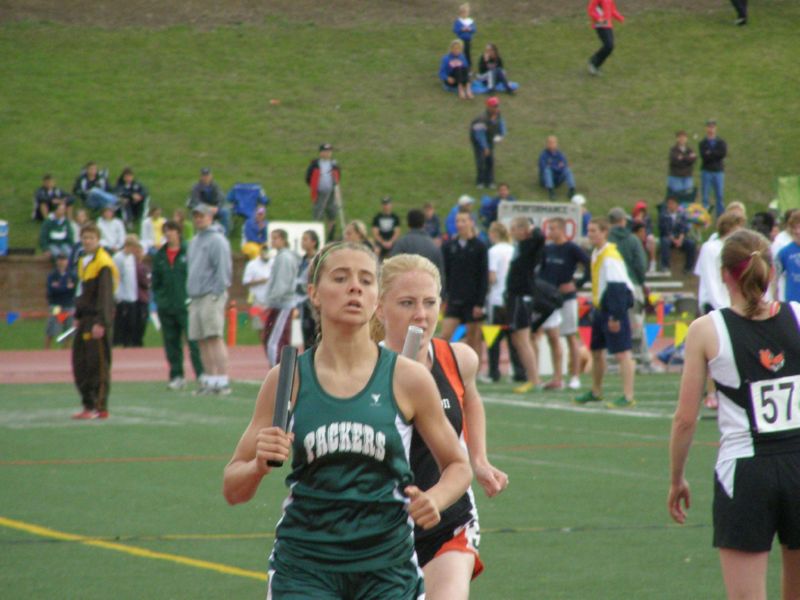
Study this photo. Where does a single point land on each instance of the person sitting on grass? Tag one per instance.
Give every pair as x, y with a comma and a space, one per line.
612, 296
554, 169
454, 70
491, 71
46, 198
674, 229
133, 196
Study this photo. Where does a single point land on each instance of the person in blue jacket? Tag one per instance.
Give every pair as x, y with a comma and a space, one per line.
464, 28
554, 169
454, 70
484, 131
489, 206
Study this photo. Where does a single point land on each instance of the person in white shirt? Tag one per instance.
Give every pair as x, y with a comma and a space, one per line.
712, 293
153, 231
125, 296
112, 231
499, 258
256, 280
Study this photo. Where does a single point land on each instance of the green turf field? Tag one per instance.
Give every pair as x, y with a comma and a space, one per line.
131, 505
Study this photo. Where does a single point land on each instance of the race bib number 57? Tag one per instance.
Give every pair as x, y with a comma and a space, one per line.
776, 404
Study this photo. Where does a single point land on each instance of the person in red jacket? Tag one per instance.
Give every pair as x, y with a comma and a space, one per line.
602, 13
322, 177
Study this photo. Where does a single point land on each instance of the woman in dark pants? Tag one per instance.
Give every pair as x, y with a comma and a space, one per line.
602, 13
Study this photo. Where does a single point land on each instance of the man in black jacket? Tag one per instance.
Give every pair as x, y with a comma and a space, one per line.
713, 151
466, 273
528, 254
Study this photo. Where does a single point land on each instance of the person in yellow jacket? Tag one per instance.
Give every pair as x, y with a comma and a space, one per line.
94, 315
612, 296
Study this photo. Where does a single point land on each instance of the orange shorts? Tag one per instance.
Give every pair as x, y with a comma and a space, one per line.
465, 540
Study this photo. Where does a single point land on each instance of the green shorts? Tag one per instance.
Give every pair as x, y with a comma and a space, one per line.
300, 582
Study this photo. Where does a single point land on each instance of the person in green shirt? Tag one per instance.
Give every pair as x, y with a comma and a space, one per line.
345, 530
169, 290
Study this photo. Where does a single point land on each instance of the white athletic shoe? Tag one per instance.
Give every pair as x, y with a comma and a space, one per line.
574, 383
484, 379
177, 383
592, 69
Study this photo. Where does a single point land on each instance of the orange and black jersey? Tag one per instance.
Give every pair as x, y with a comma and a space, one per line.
426, 473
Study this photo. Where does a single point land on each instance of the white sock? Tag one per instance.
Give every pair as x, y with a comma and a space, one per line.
223, 380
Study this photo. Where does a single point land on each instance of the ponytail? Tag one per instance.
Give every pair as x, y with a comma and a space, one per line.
746, 256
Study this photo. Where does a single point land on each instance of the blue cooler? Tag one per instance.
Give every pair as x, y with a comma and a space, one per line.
3, 238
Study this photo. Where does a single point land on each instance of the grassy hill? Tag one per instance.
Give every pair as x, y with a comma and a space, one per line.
169, 100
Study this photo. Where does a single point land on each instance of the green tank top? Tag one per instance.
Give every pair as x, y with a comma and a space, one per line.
346, 508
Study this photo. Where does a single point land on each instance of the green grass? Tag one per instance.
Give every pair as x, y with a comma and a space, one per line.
170, 101
584, 515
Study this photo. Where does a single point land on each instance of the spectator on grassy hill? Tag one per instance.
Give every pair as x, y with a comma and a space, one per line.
633, 253
254, 233
81, 218
612, 297
673, 227
112, 230
206, 191
639, 216
93, 189
356, 233
385, 228
433, 226
132, 195
680, 180
465, 30
153, 231
280, 297
417, 241
61, 287
309, 243
466, 281
94, 310
603, 13
125, 317
740, 6
55, 234
788, 261
486, 130
713, 151
491, 71
322, 177
454, 70
207, 283
554, 169
46, 198
562, 258
169, 292
489, 206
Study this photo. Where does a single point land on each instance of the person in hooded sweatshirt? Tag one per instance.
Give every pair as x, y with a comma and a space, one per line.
207, 283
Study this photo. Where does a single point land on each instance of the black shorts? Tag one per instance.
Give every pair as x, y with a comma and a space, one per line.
765, 501
603, 338
518, 312
462, 312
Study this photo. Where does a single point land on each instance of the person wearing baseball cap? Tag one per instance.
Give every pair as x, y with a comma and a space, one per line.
485, 130
322, 177
713, 150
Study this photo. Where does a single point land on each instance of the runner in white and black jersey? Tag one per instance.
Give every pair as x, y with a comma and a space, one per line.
448, 553
752, 351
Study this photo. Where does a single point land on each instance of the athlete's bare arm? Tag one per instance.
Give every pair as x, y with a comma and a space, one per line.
418, 399
492, 480
701, 345
259, 443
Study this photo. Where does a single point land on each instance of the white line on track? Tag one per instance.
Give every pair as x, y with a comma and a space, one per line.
577, 467
641, 414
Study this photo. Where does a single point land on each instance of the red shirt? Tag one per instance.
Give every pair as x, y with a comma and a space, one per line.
601, 12
171, 254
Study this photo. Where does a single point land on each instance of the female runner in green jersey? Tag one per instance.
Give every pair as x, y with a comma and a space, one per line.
347, 526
